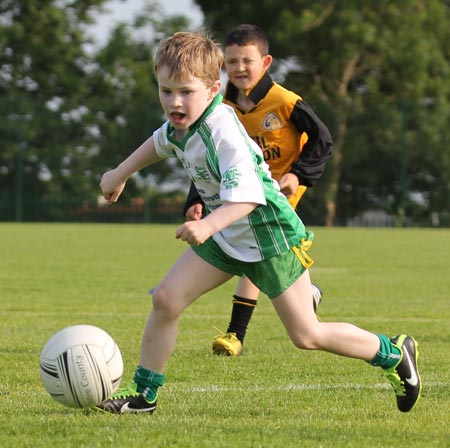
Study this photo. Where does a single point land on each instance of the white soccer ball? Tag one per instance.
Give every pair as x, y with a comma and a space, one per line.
81, 366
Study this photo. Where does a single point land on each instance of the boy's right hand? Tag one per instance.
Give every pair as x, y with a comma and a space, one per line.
194, 212
194, 232
112, 185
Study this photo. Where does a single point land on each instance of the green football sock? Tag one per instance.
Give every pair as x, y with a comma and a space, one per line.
388, 355
148, 382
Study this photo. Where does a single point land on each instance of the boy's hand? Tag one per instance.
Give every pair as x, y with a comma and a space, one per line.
289, 184
194, 212
112, 185
194, 232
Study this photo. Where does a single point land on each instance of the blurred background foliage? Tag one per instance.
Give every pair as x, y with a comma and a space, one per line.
377, 73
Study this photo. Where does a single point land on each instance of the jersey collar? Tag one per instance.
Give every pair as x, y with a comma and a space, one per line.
194, 126
255, 93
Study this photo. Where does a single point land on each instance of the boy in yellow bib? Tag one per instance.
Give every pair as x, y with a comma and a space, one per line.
294, 141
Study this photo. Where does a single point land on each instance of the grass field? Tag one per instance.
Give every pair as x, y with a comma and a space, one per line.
385, 280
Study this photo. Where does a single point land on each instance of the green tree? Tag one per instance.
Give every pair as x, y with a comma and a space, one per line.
42, 68
377, 73
69, 113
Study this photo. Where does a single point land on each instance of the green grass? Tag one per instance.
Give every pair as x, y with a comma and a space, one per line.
385, 280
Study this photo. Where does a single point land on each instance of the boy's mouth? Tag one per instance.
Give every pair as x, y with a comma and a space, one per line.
177, 117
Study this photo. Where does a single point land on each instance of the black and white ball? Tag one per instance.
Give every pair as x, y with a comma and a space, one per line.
81, 366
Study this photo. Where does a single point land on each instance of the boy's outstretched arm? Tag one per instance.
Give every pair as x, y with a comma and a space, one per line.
197, 232
113, 181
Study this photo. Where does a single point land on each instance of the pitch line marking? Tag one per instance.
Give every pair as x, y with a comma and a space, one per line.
289, 387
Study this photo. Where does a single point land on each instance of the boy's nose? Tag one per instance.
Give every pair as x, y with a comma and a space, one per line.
176, 101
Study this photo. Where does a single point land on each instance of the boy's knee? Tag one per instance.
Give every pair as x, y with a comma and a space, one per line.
305, 342
163, 303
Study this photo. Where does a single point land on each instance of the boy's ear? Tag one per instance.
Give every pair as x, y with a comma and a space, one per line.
215, 88
267, 61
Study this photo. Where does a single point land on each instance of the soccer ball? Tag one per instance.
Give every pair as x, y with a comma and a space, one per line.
81, 366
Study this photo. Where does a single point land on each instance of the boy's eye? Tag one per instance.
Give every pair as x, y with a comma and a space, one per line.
236, 61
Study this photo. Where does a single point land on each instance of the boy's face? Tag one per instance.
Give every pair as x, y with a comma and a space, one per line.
184, 101
245, 65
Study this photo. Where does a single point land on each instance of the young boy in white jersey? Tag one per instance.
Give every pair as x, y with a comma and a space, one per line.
294, 141
249, 229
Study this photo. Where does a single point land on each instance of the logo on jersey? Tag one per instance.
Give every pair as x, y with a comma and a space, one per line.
202, 173
231, 178
271, 122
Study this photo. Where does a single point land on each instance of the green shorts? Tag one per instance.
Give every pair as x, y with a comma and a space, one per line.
272, 276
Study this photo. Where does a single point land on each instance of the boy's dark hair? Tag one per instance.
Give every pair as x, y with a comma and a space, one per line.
247, 34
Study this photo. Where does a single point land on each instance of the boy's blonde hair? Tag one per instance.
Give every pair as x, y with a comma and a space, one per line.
187, 55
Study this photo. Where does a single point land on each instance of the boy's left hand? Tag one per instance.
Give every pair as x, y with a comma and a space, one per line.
289, 184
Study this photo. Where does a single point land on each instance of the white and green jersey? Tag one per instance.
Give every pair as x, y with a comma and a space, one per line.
226, 165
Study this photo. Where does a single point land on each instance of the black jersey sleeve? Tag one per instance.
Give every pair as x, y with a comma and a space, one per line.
311, 162
193, 198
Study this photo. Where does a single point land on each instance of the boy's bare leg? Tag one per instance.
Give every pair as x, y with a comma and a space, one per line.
179, 288
295, 310
245, 288
396, 356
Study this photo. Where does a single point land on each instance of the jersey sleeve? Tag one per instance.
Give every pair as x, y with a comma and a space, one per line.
311, 163
162, 146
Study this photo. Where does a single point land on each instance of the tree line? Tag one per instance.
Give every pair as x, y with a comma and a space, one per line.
377, 73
